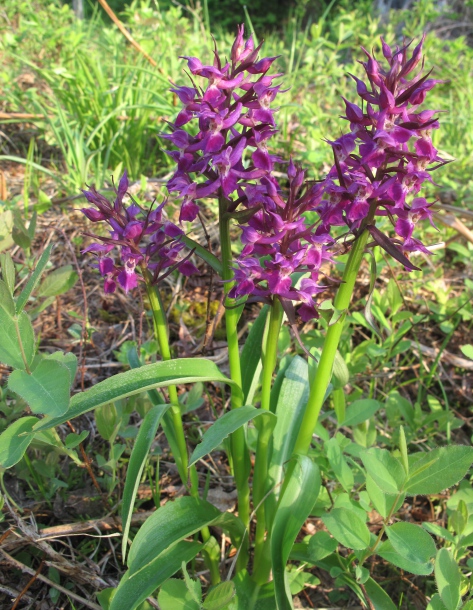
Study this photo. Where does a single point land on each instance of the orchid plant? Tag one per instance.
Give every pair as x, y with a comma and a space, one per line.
291, 230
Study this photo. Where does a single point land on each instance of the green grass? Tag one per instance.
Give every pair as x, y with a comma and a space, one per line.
105, 104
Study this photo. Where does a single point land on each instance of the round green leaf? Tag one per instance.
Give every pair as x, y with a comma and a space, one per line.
46, 390
436, 470
386, 471
12, 444
348, 528
411, 541
448, 579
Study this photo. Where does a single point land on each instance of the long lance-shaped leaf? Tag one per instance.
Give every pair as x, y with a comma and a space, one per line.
290, 412
135, 467
156, 375
34, 279
297, 501
160, 538
251, 352
175, 521
131, 592
226, 425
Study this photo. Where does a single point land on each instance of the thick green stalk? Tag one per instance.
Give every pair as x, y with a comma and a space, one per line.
262, 561
239, 449
161, 334
332, 339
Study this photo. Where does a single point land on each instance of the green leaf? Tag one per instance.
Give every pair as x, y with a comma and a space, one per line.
175, 521
434, 471
156, 375
6, 300
386, 471
69, 360
411, 541
224, 426
135, 467
135, 588
46, 390
72, 440
204, 254
385, 504
34, 279
251, 352
290, 410
12, 444
386, 551
361, 410
10, 352
436, 603
467, 350
301, 491
339, 465
341, 375
8, 271
6, 228
59, 281
448, 578
321, 545
220, 596
175, 595
348, 528
251, 596
107, 421
378, 597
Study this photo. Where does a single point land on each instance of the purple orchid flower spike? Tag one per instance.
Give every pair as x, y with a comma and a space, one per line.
143, 238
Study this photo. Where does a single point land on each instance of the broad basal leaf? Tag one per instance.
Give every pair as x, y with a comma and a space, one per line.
300, 494
156, 375
46, 390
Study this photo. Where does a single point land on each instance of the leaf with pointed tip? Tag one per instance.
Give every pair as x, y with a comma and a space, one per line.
448, 578
134, 588
10, 351
136, 464
251, 352
150, 376
226, 425
34, 279
299, 497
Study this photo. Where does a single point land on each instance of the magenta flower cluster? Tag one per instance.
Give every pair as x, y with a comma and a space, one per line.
388, 153
379, 168
228, 158
142, 237
379, 165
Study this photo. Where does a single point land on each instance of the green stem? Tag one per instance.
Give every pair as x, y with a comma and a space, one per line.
182, 460
161, 334
332, 340
239, 448
262, 562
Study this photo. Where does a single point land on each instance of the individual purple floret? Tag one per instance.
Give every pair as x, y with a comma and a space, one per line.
143, 239
387, 155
